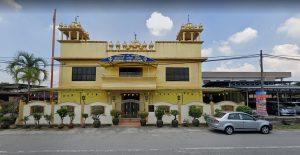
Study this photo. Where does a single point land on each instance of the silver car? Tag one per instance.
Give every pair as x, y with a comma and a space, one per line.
238, 121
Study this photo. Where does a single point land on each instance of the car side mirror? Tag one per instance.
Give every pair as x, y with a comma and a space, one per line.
254, 119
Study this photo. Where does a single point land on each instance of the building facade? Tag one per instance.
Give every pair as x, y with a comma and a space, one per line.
130, 77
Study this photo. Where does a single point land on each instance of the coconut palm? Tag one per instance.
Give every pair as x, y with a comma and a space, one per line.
28, 69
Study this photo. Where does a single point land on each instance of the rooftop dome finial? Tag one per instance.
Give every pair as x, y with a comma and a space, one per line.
134, 36
76, 18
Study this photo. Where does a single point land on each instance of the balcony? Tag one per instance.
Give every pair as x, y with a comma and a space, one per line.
113, 82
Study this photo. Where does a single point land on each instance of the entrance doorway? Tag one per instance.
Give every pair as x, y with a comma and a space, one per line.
130, 105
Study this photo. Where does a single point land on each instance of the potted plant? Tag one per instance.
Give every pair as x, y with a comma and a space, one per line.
62, 112
37, 117
143, 115
25, 119
206, 116
195, 112
96, 113
5, 122
115, 114
244, 109
48, 118
84, 116
218, 112
174, 121
159, 113
72, 116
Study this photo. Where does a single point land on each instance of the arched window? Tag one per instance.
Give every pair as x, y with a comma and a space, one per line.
165, 108
36, 109
198, 106
95, 109
227, 108
69, 108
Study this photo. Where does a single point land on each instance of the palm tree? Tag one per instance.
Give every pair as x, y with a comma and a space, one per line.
28, 69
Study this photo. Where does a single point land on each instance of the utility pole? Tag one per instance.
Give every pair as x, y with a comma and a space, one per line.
261, 72
52, 63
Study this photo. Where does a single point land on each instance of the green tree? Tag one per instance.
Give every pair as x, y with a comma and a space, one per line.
28, 69
244, 109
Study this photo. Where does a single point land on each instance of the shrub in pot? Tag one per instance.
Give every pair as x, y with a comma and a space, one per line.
96, 113
244, 109
159, 113
37, 117
62, 112
84, 116
206, 116
25, 119
5, 122
218, 112
72, 116
48, 118
174, 121
115, 114
195, 112
143, 115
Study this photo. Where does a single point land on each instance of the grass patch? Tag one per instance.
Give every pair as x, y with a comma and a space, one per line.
281, 126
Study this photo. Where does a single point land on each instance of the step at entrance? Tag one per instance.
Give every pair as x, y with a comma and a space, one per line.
129, 122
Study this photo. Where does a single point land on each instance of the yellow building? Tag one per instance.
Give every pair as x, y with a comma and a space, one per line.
131, 77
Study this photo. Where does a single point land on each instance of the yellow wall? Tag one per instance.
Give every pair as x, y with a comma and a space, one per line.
79, 49
96, 50
166, 54
75, 96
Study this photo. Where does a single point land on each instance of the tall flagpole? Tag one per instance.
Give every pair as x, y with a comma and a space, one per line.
52, 62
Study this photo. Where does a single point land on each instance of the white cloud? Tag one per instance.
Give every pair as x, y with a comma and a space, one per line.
207, 52
55, 77
5, 77
225, 48
228, 67
57, 34
287, 50
291, 27
159, 24
13, 4
243, 36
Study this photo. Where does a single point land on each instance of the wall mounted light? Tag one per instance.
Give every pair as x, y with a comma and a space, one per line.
178, 98
83, 97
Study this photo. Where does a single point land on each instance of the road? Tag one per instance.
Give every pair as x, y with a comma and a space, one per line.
147, 141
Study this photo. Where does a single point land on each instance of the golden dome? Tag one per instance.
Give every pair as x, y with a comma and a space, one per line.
118, 45
151, 45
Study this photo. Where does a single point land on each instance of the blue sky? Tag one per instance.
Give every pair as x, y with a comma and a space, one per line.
229, 28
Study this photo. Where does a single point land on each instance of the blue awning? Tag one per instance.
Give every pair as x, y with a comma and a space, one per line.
127, 58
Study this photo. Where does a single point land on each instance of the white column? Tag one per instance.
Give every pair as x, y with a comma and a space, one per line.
77, 35
70, 33
183, 36
62, 35
192, 36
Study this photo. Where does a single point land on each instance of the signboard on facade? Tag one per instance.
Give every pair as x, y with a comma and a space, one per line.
127, 58
261, 100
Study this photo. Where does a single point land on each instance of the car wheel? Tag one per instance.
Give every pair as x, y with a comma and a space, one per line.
229, 130
265, 130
